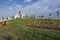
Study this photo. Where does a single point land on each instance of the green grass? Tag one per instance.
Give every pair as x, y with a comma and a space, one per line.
15, 31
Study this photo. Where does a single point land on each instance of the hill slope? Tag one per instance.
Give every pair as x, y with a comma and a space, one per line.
15, 31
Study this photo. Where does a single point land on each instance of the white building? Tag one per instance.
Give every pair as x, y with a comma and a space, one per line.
9, 18
19, 15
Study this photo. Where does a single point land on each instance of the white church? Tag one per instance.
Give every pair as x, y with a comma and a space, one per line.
19, 15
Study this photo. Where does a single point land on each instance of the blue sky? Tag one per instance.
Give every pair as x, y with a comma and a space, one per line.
29, 7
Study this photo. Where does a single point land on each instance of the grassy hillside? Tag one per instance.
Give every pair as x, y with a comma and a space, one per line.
19, 30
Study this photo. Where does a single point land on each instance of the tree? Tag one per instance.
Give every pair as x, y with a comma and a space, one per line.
42, 16
39, 16
7, 18
57, 17
2, 18
12, 17
33, 16
50, 14
57, 14
26, 16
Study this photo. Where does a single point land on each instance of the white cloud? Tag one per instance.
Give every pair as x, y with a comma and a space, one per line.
28, 1
10, 0
18, 7
43, 7
10, 7
15, 7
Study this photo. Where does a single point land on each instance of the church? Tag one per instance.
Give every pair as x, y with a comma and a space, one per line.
20, 14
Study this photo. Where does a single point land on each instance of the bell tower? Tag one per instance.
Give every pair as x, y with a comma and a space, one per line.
19, 12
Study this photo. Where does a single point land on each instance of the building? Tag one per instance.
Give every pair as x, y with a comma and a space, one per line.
19, 15
8, 18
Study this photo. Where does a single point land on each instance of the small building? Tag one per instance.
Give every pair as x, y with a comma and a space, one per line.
9, 18
19, 15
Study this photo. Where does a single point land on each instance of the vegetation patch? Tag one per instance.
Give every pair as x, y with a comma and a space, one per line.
45, 23
17, 29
